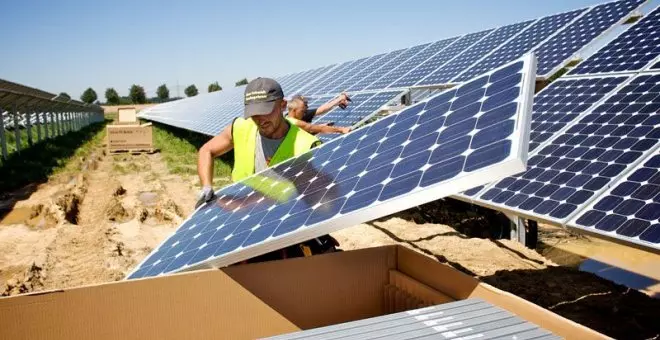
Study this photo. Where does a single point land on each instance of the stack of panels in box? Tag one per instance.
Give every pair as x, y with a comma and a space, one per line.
306, 79
630, 210
394, 74
631, 51
469, 319
310, 85
563, 101
474, 53
359, 110
433, 63
398, 60
320, 87
580, 163
364, 73
521, 44
340, 78
417, 155
556, 51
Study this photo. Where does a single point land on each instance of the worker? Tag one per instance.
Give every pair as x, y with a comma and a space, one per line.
302, 115
261, 139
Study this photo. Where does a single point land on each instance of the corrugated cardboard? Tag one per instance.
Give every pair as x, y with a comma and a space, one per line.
130, 137
308, 292
127, 115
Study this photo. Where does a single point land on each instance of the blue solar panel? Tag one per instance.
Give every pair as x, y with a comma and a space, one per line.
474, 53
417, 155
309, 85
373, 76
433, 63
563, 101
306, 79
630, 210
409, 64
365, 72
581, 162
362, 107
328, 83
522, 43
341, 78
555, 53
631, 51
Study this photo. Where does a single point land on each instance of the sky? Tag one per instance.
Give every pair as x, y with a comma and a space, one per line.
70, 45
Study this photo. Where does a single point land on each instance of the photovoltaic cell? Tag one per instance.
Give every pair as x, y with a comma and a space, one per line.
521, 44
309, 85
419, 154
330, 82
303, 78
563, 101
474, 53
433, 63
341, 78
584, 160
630, 210
631, 51
403, 68
358, 111
366, 71
373, 76
555, 52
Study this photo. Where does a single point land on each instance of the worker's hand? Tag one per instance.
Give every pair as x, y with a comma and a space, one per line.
344, 130
343, 100
205, 195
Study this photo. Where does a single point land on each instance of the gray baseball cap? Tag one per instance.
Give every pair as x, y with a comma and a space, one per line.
260, 96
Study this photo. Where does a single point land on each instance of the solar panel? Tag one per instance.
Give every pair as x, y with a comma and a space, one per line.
358, 111
322, 86
631, 51
473, 54
469, 319
520, 44
590, 155
555, 53
309, 78
310, 86
367, 71
394, 74
433, 63
417, 155
373, 76
630, 210
340, 78
557, 105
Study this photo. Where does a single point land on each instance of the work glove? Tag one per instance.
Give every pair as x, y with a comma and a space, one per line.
205, 195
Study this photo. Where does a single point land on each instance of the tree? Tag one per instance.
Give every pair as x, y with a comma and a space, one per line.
191, 91
89, 96
137, 94
111, 96
65, 95
213, 87
243, 81
163, 92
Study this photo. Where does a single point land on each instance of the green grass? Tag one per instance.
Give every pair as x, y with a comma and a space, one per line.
179, 150
48, 157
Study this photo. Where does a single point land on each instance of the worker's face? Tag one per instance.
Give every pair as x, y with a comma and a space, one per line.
298, 109
270, 123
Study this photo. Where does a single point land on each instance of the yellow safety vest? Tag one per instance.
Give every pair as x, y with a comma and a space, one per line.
244, 133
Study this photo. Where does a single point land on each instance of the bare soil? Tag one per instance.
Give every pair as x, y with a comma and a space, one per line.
96, 225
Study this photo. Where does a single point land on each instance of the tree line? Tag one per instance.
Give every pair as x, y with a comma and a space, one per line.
137, 95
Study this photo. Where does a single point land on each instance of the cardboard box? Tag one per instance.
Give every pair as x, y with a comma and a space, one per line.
262, 299
130, 137
127, 115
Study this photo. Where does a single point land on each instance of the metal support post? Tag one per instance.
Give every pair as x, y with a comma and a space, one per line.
17, 129
37, 122
3, 140
28, 124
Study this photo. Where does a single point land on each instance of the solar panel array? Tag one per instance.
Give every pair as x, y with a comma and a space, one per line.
440, 146
363, 105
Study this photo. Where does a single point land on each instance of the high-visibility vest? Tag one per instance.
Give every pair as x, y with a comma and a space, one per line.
244, 134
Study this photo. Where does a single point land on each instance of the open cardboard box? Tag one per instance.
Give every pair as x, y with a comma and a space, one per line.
259, 300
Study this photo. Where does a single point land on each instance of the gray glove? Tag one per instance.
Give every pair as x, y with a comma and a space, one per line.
205, 196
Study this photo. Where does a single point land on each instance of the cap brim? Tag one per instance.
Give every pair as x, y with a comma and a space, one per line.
259, 109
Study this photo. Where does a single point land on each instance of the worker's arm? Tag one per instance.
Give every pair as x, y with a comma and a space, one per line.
325, 108
217, 146
321, 128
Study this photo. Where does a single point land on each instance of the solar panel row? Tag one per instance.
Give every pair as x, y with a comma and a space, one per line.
472, 134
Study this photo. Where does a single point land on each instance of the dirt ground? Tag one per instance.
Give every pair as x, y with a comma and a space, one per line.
96, 225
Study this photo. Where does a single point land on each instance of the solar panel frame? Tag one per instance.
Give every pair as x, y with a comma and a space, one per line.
583, 47
514, 161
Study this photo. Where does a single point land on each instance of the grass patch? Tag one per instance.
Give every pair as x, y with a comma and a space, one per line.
48, 157
179, 150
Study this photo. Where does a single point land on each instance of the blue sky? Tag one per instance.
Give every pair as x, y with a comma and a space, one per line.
70, 45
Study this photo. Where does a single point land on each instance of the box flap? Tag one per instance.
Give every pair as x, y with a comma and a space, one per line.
200, 305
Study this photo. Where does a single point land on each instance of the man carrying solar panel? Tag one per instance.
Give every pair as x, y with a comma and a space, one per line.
261, 139
302, 115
